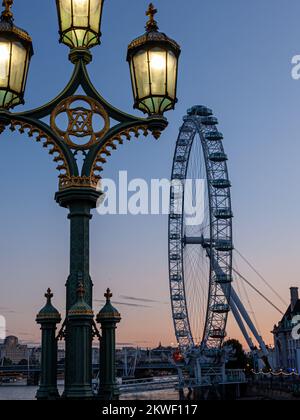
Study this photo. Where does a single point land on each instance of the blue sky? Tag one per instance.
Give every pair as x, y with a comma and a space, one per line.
236, 59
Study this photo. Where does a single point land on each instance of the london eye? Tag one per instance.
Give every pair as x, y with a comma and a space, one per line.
200, 244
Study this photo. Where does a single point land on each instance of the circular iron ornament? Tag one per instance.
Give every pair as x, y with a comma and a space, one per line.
200, 255
80, 121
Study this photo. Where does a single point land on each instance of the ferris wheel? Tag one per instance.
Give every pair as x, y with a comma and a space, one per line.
200, 245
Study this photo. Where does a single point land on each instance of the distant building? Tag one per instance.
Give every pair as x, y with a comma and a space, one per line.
287, 350
12, 350
36, 355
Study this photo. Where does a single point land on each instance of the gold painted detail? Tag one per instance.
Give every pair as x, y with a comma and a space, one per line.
151, 24
47, 142
81, 312
79, 130
48, 316
66, 182
6, 23
112, 144
153, 37
7, 13
109, 315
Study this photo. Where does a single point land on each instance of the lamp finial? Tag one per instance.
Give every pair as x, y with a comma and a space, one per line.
108, 295
151, 24
7, 14
49, 295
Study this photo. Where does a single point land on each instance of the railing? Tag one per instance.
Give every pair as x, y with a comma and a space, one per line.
148, 384
236, 376
214, 376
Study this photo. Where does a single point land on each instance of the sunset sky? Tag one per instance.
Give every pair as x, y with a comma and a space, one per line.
236, 59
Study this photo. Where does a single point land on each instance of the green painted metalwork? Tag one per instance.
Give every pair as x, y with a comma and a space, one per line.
78, 382
48, 318
78, 192
108, 317
80, 77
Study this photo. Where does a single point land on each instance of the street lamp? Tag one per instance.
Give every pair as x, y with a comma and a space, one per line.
15, 54
79, 22
74, 131
153, 60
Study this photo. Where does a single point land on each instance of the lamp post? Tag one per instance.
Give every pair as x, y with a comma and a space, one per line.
153, 60
108, 318
48, 318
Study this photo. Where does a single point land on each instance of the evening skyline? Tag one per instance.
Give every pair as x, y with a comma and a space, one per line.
236, 59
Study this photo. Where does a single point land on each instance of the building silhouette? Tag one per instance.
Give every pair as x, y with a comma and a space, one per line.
12, 350
287, 348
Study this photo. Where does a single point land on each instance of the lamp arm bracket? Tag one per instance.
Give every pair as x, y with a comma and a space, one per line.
91, 91
80, 77
129, 125
115, 136
69, 90
43, 134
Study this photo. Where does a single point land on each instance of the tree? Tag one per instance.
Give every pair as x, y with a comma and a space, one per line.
23, 362
239, 359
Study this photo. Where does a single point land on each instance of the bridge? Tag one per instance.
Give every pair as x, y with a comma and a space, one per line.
37, 369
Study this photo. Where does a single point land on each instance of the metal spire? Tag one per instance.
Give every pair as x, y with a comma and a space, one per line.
108, 295
49, 296
151, 24
7, 14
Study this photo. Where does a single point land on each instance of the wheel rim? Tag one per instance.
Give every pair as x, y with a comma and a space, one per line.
200, 257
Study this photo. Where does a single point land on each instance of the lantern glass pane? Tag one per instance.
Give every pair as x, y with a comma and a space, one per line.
81, 13
142, 74
158, 71
95, 15
5, 53
172, 74
65, 7
156, 105
80, 22
18, 66
132, 73
26, 72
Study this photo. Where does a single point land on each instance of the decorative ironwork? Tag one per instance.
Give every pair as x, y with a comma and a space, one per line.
7, 13
108, 295
49, 295
78, 182
151, 24
113, 143
79, 192
47, 142
80, 121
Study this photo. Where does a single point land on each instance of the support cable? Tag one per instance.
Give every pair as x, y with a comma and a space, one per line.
261, 277
257, 291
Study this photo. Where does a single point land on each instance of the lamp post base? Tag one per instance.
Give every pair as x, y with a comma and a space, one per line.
46, 394
78, 393
109, 393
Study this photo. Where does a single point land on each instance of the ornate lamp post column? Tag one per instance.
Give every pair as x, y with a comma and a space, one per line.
79, 351
153, 60
108, 317
48, 318
80, 202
